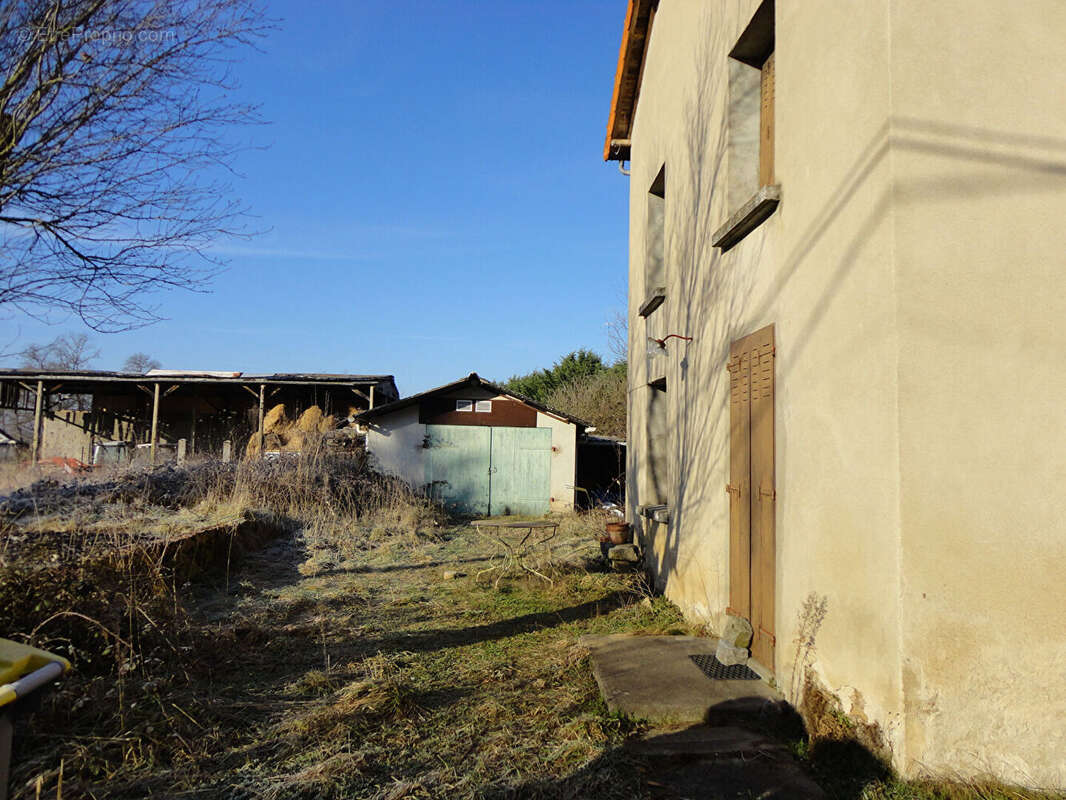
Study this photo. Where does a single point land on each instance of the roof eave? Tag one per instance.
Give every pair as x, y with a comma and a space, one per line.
627, 79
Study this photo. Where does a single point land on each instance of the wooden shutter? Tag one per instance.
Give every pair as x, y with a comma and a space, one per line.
752, 496
739, 483
766, 124
763, 495
740, 472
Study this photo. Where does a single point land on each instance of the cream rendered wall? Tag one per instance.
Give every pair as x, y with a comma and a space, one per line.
61, 437
979, 148
820, 270
914, 275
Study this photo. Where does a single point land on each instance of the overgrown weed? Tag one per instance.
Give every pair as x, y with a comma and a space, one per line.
99, 572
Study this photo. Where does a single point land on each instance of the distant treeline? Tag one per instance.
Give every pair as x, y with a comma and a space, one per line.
582, 384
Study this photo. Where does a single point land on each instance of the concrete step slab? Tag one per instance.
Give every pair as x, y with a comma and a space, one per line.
653, 678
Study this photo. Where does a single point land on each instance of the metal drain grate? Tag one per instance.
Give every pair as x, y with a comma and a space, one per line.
716, 670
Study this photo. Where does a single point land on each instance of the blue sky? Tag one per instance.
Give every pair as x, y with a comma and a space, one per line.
434, 192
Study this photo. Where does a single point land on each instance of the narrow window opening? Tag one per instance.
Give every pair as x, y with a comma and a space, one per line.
655, 246
751, 193
658, 486
751, 108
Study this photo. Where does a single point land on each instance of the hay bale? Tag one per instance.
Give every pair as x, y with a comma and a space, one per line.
310, 419
271, 441
295, 439
275, 419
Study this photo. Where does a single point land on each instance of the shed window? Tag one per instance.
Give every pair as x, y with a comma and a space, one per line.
484, 406
464, 405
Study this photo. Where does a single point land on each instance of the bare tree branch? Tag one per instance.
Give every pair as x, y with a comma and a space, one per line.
115, 120
141, 363
69, 352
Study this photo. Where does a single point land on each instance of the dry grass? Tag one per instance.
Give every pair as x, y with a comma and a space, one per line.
98, 570
371, 678
316, 490
336, 662
14, 476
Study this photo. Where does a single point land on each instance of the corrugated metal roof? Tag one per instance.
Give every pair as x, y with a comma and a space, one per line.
87, 380
178, 376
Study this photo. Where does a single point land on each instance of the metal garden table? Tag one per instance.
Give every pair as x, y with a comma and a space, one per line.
516, 540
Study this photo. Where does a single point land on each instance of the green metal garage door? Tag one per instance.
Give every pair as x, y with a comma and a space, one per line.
520, 481
457, 466
489, 471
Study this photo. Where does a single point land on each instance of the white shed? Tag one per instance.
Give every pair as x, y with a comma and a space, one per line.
478, 448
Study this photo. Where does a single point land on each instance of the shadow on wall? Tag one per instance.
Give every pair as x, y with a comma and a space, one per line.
707, 303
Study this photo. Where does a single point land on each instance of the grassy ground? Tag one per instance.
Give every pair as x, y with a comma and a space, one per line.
325, 674
339, 662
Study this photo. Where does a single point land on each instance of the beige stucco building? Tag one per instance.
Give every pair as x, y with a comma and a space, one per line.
876, 189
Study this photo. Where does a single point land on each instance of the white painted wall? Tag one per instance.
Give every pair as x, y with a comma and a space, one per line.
564, 460
395, 446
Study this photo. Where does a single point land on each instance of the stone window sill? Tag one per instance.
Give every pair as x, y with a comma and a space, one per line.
749, 217
656, 513
655, 299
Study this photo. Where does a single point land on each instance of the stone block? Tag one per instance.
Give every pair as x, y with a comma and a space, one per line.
626, 553
737, 632
729, 655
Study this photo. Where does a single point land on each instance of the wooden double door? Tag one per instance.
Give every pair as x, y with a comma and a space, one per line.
752, 497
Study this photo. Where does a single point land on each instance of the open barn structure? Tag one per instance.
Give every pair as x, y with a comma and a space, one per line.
92, 415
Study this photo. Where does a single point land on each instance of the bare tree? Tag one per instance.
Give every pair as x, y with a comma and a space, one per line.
141, 363
69, 352
618, 336
113, 121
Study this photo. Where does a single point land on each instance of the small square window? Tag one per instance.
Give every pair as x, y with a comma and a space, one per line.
484, 406
464, 405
